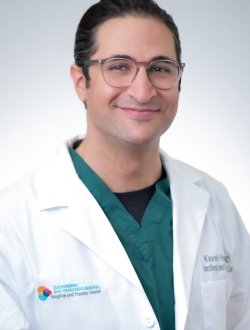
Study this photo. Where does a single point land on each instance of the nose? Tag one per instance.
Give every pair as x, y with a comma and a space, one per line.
141, 88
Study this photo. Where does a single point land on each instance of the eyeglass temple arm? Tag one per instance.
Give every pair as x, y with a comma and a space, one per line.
89, 62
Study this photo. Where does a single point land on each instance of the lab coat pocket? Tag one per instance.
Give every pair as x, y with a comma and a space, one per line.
215, 296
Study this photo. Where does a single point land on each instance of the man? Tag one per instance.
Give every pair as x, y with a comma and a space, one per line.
112, 233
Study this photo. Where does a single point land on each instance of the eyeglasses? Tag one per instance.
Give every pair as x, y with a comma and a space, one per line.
121, 72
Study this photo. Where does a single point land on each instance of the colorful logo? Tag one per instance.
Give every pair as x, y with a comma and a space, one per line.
43, 292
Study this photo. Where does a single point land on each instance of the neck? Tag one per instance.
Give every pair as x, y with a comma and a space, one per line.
124, 167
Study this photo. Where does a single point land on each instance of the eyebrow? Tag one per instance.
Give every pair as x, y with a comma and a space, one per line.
157, 58
160, 58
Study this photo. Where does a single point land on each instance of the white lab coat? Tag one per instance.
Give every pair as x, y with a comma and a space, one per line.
54, 234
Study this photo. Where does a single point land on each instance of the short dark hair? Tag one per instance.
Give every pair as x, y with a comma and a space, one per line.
85, 39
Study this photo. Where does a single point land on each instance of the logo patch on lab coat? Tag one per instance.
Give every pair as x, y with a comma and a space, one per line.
43, 292
68, 291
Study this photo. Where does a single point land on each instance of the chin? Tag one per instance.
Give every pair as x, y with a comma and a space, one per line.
139, 140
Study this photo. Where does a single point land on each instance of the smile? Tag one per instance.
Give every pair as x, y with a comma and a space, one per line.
140, 113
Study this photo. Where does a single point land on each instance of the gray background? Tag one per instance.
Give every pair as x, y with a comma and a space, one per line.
39, 108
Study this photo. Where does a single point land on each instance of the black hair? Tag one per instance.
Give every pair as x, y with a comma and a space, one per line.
85, 39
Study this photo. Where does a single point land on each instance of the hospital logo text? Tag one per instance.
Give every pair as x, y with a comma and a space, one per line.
68, 291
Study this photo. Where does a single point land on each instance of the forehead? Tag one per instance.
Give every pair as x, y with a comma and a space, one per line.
140, 38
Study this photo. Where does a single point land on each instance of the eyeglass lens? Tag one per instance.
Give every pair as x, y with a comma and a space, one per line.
121, 72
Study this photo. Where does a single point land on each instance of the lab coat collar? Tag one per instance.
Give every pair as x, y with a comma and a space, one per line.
56, 176
53, 181
190, 203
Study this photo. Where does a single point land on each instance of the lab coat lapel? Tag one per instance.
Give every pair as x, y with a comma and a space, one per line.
60, 186
86, 221
190, 204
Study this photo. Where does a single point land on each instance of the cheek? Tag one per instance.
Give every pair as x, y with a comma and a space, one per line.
171, 107
174, 109
99, 98
175, 104
171, 98
100, 94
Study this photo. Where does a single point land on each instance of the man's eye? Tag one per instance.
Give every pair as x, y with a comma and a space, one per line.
160, 69
118, 67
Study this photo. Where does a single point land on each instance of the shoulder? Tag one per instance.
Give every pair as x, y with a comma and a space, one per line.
221, 209
18, 191
178, 169
17, 204
38, 187
49, 168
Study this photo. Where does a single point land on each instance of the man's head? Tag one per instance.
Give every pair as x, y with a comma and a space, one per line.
135, 103
85, 41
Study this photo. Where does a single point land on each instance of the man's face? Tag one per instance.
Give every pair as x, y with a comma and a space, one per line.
139, 113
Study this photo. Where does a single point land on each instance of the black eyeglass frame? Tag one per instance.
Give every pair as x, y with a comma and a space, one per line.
138, 65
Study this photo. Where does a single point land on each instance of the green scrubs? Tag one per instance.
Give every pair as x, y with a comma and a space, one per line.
149, 245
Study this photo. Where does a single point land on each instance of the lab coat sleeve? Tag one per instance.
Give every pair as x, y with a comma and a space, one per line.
238, 307
11, 317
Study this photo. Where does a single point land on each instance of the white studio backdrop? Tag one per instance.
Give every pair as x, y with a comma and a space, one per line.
39, 107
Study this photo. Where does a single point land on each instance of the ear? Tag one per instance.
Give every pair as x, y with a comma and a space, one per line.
79, 81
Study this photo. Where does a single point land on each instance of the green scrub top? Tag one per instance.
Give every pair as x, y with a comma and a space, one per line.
149, 245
